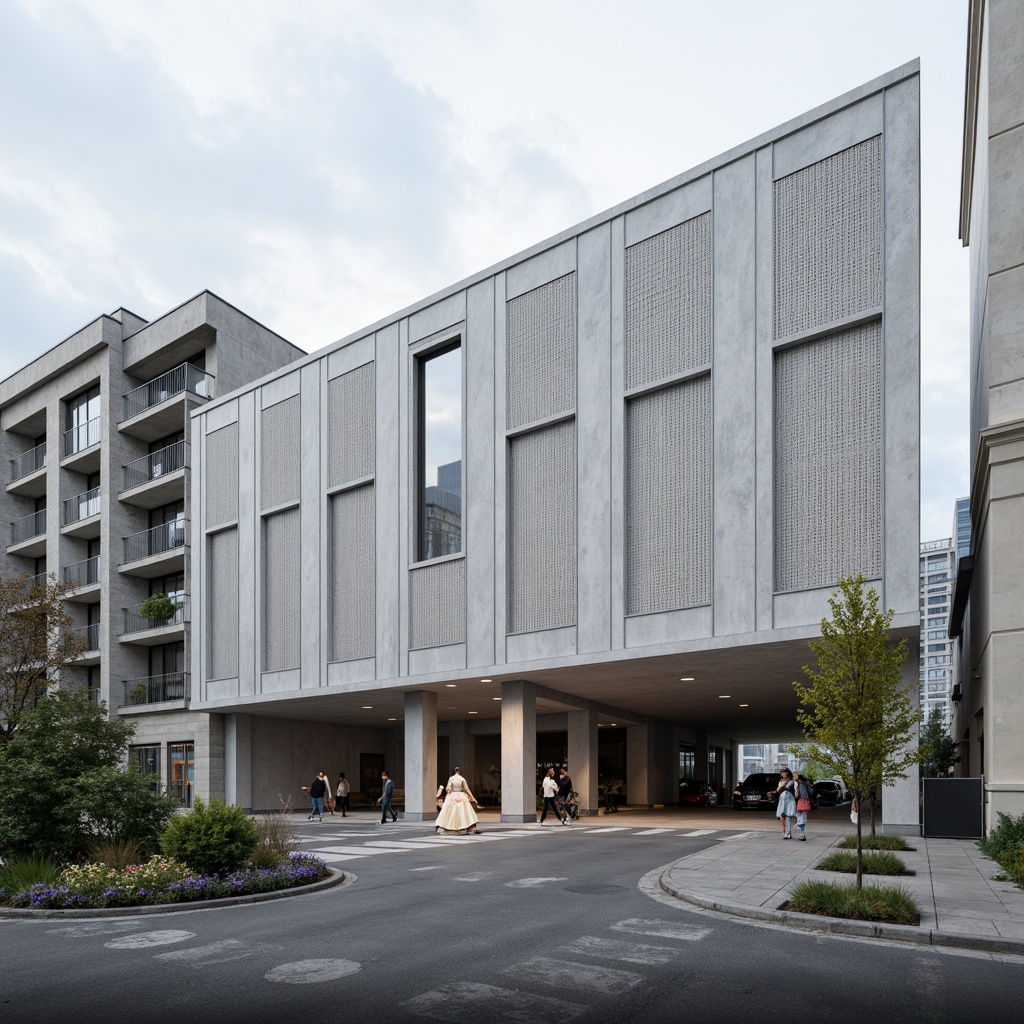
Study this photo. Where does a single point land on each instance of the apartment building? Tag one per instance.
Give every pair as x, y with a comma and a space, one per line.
95, 433
938, 576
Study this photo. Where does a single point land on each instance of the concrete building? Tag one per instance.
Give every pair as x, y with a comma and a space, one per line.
938, 575
989, 607
676, 425
95, 432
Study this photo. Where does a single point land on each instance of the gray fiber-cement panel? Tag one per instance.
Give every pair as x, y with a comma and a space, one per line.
313, 525
387, 496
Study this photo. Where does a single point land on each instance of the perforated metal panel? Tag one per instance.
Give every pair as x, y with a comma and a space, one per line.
542, 529
222, 604
352, 583
668, 303
828, 459
222, 476
281, 591
437, 604
351, 403
279, 453
540, 376
668, 498
828, 239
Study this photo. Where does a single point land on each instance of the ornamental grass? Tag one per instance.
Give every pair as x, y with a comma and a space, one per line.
889, 904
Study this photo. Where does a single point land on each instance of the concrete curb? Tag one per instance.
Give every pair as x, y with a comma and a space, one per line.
337, 878
838, 926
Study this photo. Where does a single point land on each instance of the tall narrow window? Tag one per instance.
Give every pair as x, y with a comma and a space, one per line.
439, 477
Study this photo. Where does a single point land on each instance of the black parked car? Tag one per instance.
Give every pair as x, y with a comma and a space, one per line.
757, 791
829, 791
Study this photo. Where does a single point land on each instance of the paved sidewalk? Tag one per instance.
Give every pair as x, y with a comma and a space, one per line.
960, 903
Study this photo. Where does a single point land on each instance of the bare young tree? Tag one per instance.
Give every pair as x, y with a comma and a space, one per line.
37, 644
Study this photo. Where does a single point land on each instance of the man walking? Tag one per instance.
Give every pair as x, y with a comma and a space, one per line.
317, 789
564, 794
341, 791
387, 790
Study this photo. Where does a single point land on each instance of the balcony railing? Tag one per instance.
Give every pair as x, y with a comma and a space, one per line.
154, 689
182, 378
91, 634
77, 439
28, 462
84, 573
81, 506
158, 464
30, 526
165, 537
136, 622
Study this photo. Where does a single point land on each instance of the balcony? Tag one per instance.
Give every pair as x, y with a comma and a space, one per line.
91, 633
82, 515
148, 632
28, 535
28, 473
80, 447
161, 406
154, 689
84, 576
156, 479
156, 552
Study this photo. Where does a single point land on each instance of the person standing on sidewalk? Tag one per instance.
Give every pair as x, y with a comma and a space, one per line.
317, 788
549, 790
342, 790
387, 791
786, 811
803, 804
564, 794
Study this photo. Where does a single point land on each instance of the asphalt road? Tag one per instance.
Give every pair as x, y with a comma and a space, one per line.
554, 925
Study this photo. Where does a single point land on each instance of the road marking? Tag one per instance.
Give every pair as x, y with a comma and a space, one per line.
474, 876
409, 844
661, 929
610, 828
214, 953
563, 974
530, 883
78, 931
142, 940
655, 831
739, 835
617, 949
467, 1002
336, 858
364, 851
431, 867
312, 972
699, 832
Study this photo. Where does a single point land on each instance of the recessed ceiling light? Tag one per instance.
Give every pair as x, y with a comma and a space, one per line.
495, 698
472, 712
725, 696
686, 679
613, 723
367, 707
486, 680
451, 686
744, 705
392, 719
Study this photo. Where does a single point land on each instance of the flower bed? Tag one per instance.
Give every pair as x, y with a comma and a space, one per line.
162, 880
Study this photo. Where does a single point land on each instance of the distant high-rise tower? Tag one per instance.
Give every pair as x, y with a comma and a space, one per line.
962, 527
938, 573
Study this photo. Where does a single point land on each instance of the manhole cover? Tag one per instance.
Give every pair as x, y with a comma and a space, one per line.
596, 890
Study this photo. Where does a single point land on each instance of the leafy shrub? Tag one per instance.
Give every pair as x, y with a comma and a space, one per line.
878, 842
1005, 845
872, 863
892, 904
19, 874
211, 839
275, 841
120, 805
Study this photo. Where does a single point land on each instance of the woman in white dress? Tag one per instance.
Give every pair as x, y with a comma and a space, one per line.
457, 814
786, 810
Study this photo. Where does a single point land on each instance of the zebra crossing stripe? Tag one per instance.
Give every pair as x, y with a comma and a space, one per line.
618, 949
359, 851
467, 1002
739, 835
566, 974
661, 929
610, 828
655, 831
699, 832
214, 953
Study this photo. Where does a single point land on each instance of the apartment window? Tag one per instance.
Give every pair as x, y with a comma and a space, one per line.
82, 421
936, 622
938, 599
147, 759
181, 771
439, 454
936, 634
933, 648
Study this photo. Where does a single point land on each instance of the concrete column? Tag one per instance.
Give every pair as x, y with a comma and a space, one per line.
700, 755
461, 749
583, 758
639, 776
518, 751
420, 755
238, 760
901, 802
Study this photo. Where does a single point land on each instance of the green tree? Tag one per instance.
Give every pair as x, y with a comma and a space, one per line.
59, 774
938, 750
857, 718
37, 643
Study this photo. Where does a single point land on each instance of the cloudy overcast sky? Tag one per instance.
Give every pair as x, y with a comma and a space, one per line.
323, 164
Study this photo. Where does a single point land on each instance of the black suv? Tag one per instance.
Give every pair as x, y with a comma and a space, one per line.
757, 791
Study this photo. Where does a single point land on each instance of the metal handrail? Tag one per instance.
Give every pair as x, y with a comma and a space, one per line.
154, 689
28, 462
91, 634
156, 464
32, 525
182, 378
136, 622
85, 435
84, 573
81, 506
155, 541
